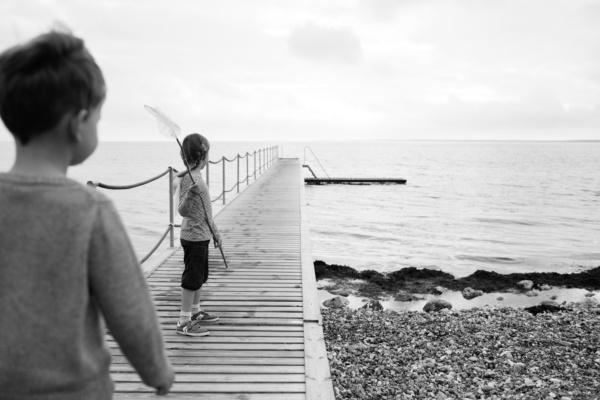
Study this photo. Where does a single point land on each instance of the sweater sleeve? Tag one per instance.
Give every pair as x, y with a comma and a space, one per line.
187, 193
120, 289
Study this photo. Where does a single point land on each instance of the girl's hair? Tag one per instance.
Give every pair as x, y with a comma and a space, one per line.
194, 149
43, 80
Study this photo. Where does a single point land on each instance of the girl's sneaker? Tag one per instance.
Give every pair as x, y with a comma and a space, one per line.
203, 316
191, 328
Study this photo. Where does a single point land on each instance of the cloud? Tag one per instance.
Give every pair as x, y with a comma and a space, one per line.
233, 67
316, 42
537, 115
381, 10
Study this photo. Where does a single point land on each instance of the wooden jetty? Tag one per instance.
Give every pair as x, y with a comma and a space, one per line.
349, 181
354, 181
269, 341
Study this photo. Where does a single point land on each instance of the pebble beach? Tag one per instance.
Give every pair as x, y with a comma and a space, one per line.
489, 352
500, 353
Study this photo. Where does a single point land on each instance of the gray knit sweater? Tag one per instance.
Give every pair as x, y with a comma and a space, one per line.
65, 262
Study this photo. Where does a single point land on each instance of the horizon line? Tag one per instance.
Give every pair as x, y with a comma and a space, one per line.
355, 140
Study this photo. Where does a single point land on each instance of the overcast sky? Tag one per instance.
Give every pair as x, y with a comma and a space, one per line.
337, 69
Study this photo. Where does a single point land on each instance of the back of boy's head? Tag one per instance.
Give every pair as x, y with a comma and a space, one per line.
194, 148
45, 79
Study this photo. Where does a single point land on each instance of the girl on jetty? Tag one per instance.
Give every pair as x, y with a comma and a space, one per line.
197, 228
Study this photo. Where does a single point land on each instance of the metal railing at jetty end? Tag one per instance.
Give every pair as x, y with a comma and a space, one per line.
262, 160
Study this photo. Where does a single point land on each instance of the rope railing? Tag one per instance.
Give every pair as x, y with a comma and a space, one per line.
134, 185
266, 158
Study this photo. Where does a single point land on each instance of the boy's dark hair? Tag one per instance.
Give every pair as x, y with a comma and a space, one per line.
45, 79
194, 149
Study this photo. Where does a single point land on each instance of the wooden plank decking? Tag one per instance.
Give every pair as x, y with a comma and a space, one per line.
269, 342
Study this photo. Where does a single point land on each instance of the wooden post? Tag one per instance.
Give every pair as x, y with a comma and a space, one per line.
171, 220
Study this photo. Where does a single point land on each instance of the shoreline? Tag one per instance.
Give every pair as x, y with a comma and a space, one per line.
412, 284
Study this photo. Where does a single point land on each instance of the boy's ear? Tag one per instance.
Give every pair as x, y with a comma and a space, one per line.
75, 125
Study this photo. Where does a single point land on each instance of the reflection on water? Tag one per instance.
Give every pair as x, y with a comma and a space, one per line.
487, 300
491, 299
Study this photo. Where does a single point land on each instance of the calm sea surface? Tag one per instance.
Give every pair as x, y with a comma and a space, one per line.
500, 206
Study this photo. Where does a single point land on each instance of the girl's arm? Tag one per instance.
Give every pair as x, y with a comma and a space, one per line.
207, 212
186, 197
216, 233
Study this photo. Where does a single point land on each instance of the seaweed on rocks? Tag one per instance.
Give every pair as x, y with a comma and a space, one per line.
327, 271
490, 281
422, 281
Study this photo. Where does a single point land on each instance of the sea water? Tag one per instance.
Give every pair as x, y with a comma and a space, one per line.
499, 206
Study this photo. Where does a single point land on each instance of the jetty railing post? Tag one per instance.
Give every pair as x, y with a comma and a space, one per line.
259, 161
247, 170
171, 220
223, 159
254, 164
238, 173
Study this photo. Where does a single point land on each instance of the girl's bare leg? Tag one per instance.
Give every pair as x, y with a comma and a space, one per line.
196, 297
187, 297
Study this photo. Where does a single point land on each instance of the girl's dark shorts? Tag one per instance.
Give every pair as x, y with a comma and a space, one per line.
195, 258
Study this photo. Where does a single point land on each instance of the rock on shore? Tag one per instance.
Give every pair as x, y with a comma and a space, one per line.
469, 354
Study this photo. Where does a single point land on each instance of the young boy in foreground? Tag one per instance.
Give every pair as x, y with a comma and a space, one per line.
65, 258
